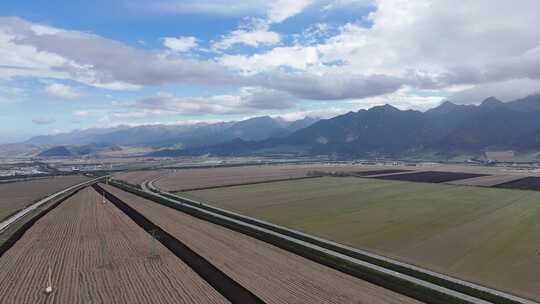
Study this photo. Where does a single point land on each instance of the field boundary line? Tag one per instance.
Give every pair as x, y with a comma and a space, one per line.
216, 278
440, 279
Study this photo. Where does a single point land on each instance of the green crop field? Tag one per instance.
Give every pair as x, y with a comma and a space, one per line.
489, 236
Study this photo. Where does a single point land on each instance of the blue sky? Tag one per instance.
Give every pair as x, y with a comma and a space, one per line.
68, 65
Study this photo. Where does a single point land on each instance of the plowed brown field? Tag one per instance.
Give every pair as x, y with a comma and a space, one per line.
138, 177
486, 181
211, 177
274, 275
15, 196
97, 255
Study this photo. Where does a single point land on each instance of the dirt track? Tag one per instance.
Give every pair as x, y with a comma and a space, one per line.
97, 255
274, 275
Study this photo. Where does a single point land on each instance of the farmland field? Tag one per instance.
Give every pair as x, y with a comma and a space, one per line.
15, 196
97, 255
183, 179
430, 176
527, 183
379, 172
485, 235
274, 275
138, 177
487, 181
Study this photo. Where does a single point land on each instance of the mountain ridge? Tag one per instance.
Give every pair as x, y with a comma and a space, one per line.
387, 131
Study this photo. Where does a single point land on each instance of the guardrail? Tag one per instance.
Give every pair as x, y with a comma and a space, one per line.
461, 286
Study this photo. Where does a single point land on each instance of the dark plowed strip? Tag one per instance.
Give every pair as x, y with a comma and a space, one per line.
17, 235
377, 172
430, 176
527, 183
226, 286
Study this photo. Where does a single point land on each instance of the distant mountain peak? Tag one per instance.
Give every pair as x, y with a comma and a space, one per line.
444, 108
448, 104
385, 108
491, 102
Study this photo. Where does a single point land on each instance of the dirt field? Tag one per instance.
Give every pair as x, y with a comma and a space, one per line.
97, 255
274, 275
430, 176
137, 177
210, 177
486, 181
15, 196
184, 179
379, 172
485, 235
528, 183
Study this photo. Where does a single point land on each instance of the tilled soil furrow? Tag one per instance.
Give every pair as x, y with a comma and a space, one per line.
273, 274
96, 255
228, 287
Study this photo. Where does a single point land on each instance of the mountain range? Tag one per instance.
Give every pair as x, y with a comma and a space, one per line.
85, 142
446, 130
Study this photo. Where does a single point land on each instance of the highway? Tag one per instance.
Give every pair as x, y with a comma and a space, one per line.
17, 216
323, 246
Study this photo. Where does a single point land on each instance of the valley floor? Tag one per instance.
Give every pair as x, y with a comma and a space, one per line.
485, 235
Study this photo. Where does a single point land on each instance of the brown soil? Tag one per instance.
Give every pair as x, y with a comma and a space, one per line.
180, 180
97, 255
486, 181
18, 195
274, 275
527, 183
430, 176
138, 177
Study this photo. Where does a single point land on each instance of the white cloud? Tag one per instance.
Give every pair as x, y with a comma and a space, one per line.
94, 60
422, 44
248, 100
445, 42
404, 98
211, 7
180, 44
256, 36
258, 32
81, 113
275, 11
504, 90
139, 114
294, 57
345, 4
281, 10
25, 60
61, 91
327, 112
329, 85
